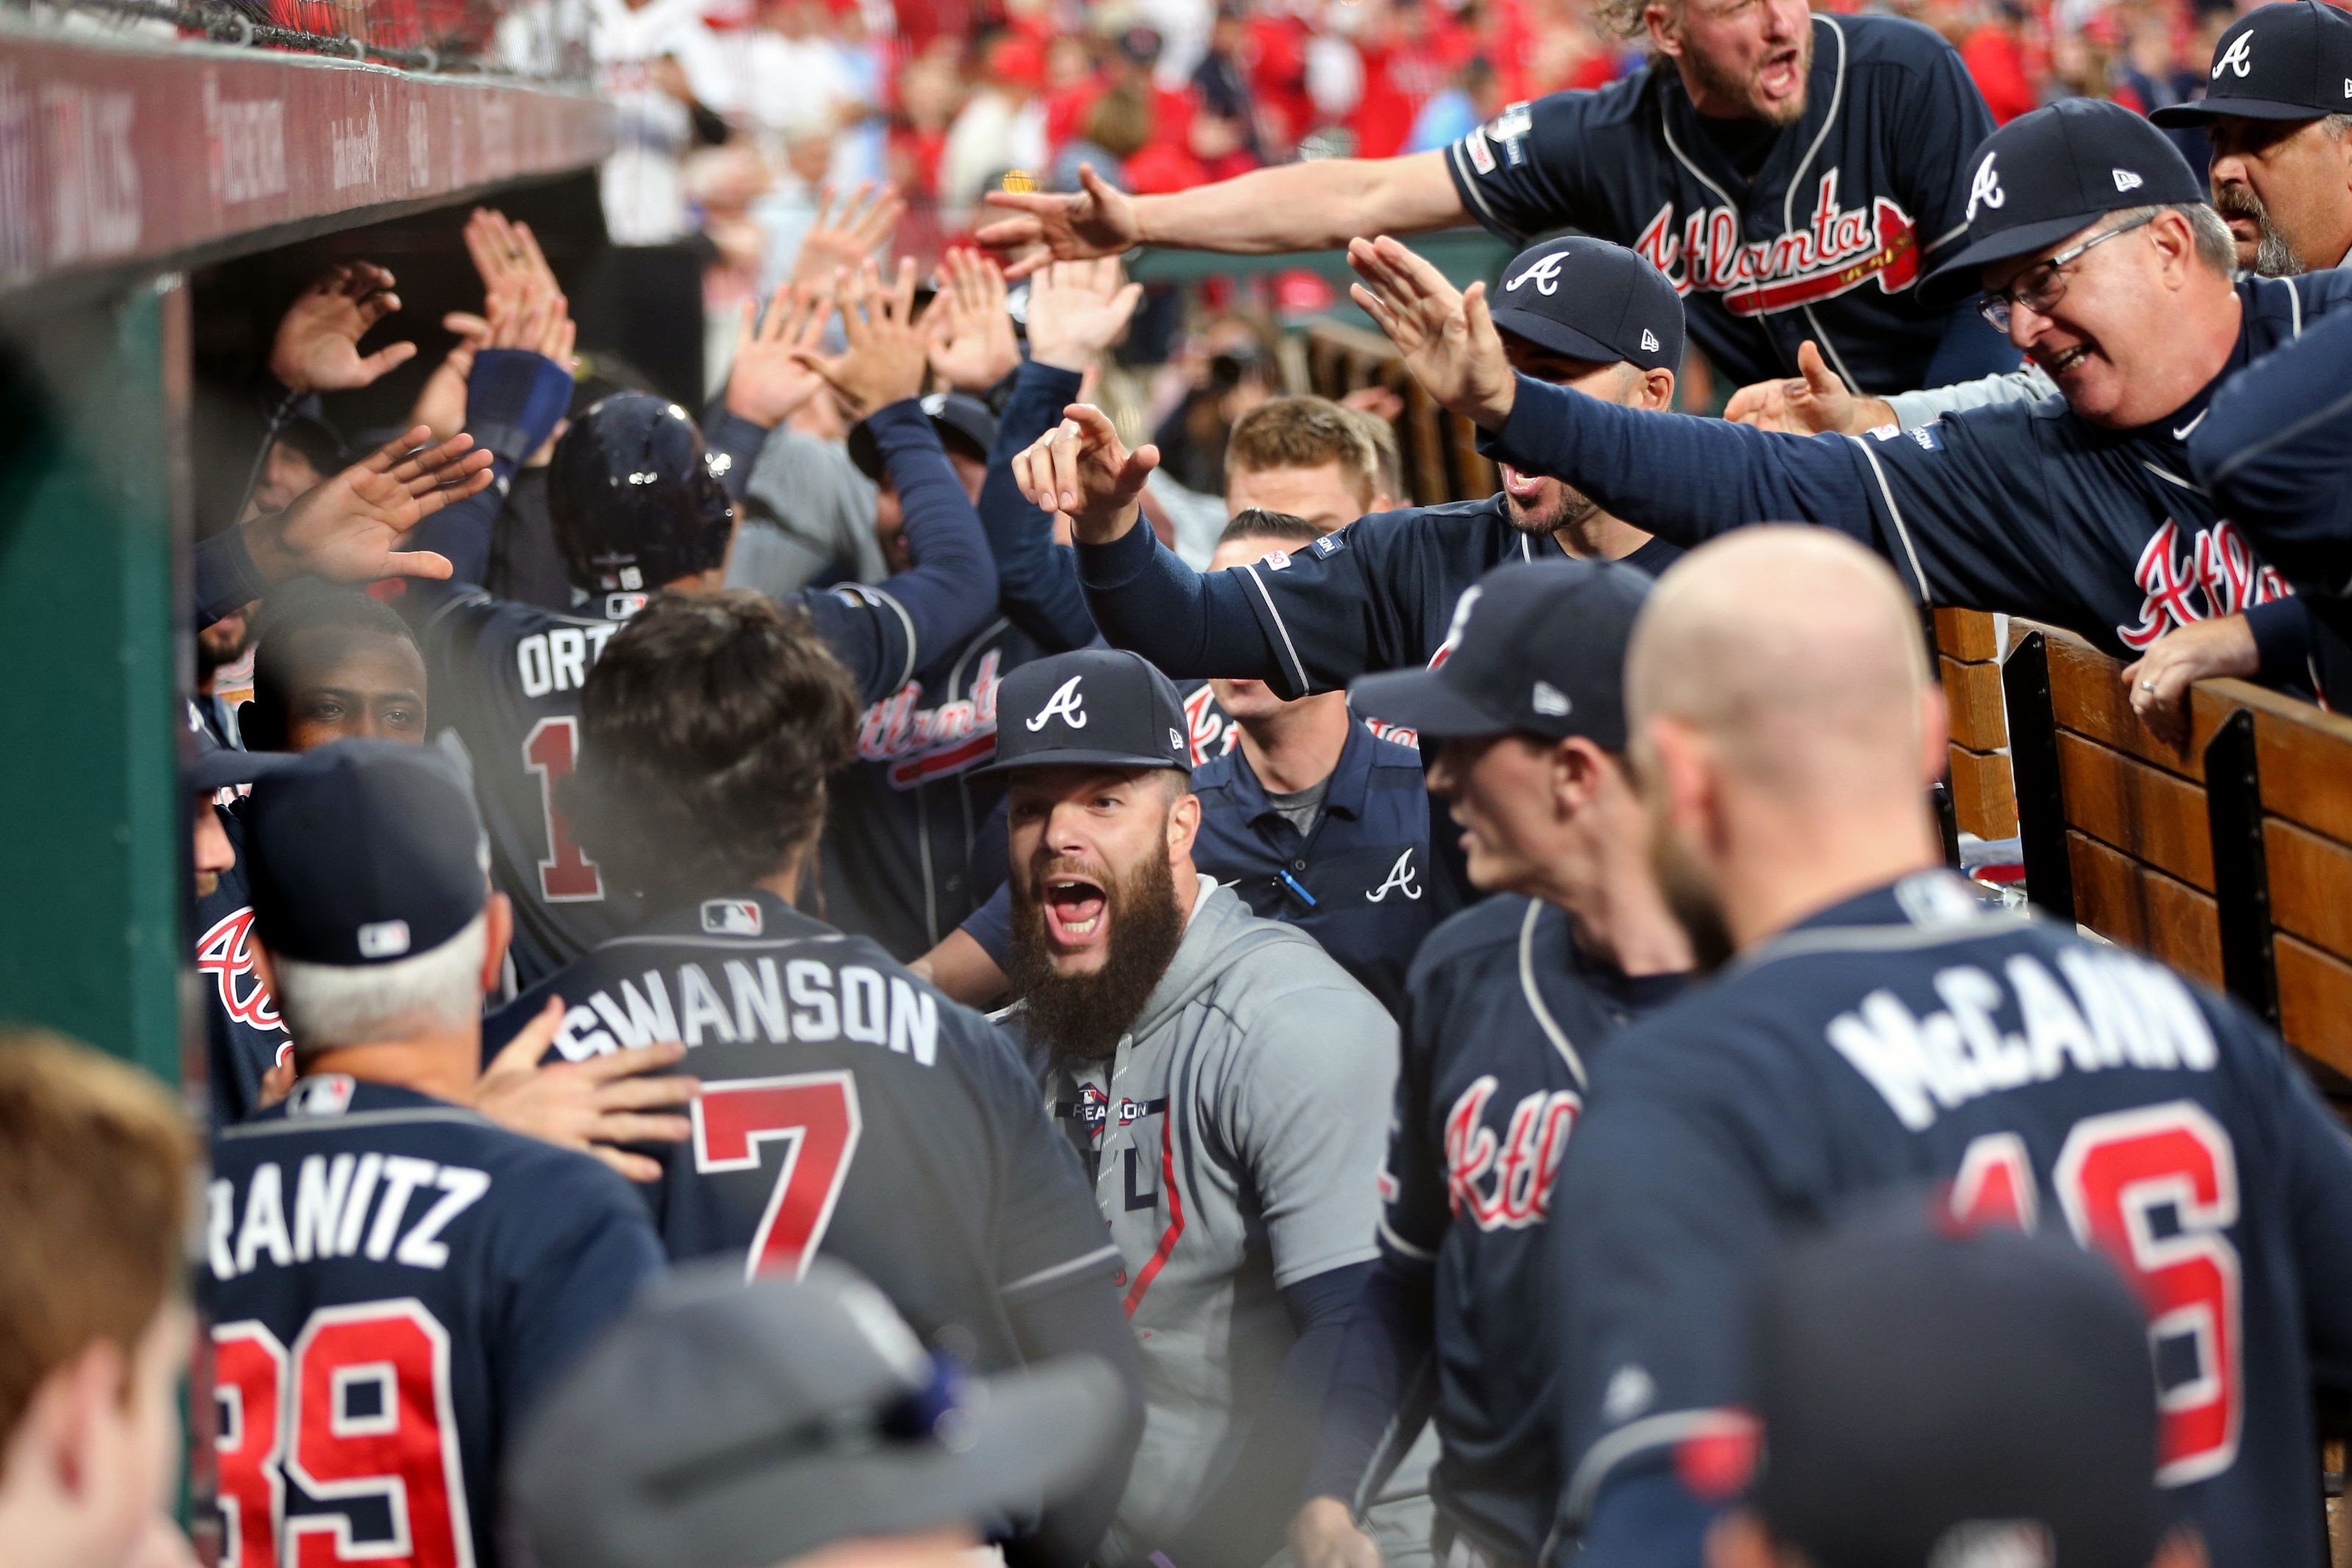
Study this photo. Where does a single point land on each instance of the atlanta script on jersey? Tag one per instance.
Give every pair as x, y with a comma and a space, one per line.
1908, 1037
1826, 240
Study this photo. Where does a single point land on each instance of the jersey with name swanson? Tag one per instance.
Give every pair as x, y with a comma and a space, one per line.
1910, 1038
393, 1279
846, 1109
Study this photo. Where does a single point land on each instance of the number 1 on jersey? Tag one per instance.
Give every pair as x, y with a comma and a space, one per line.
815, 1115
567, 875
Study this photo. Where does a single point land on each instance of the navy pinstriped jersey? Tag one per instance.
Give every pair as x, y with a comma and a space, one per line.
392, 1280
1503, 1016
1842, 215
506, 679
2021, 508
1908, 1037
846, 1108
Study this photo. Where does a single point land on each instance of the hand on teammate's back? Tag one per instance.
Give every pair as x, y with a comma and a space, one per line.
1814, 402
885, 360
345, 529
1080, 468
969, 325
1447, 335
317, 344
1098, 220
1078, 310
594, 1105
769, 384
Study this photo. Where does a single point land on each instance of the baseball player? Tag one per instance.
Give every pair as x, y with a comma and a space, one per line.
1222, 1080
244, 1038
2094, 244
846, 1109
392, 1280
1882, 1028
1793, 174
1507, 1006
332, 663
510, 675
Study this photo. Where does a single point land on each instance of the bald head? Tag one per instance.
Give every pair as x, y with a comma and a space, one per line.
1795, 654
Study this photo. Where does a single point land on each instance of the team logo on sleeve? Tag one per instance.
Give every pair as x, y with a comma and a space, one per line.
1067, 704
1839, 251
731, 917
1505, 1183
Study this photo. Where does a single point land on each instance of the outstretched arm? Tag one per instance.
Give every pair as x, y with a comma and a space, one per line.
1295, 207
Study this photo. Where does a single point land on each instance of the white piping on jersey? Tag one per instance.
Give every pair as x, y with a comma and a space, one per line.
727, 944
1469, 182
1918, 573
2295, 307
2166, 473
1418, 1254
1886, 938
1946, 237
1306, 687
875, 596
1649, 1432
1102, 1254
457, 1113
1789, 201
1544, 1021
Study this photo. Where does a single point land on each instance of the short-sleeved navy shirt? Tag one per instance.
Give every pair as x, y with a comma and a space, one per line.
1845, 213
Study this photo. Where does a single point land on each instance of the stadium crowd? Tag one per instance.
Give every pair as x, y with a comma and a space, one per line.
884, 971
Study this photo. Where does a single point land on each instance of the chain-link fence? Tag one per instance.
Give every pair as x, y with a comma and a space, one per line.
536, 39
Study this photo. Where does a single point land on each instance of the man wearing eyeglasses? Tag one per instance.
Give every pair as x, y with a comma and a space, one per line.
2102, 262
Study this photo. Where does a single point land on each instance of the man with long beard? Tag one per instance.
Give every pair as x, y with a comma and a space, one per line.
1226, 1084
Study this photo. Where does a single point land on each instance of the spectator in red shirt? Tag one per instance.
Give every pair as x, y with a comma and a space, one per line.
1410, 49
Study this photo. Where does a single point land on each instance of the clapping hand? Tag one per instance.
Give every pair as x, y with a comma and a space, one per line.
886, 359
1447, 335
1080, 468
317, 344
1076, 310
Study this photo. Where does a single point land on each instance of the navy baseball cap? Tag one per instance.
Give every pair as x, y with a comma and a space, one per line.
2291, 61
1592, 300
1538, 649
1099, 707
209, 765
2047, 174
963, 421
1930, 1393
364, 852
726, 1425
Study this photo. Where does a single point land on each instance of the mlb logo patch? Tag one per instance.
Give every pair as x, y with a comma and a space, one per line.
328, 1094
384, 939
731, 917
1884, 432
1094, 1109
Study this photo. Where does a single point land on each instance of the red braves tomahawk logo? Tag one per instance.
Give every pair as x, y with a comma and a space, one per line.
1521, 1163
1839, 251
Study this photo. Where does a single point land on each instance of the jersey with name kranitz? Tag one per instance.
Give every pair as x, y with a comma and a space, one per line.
1360, 880
848, 1109
392, 1280
506, 679
243, 1037
1909, 1039
1849, 208
1502, 1015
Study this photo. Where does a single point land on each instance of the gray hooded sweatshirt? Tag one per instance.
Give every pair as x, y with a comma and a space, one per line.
1236, 1136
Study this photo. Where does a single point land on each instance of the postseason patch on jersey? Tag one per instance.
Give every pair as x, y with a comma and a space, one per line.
1507, 130
1924, 438
1331, 544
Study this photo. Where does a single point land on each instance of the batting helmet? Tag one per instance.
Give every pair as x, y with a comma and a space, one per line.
633, 497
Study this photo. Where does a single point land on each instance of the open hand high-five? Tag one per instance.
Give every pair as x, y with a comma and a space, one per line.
1447, 335
317, 344
769, 383
886, 359
1078, 310
1098, 220
344, 531
843, 238
1081, 469
1814, 402
969, 324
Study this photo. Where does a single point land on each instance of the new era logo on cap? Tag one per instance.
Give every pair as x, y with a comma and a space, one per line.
2127, 181
1550, 700
1649, 340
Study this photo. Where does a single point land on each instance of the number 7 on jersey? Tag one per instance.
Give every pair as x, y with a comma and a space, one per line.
814, 1115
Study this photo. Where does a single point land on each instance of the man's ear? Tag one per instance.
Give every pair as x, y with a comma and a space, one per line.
1183, 827
499, 916
1658, 389
69, 1413
2176, 247
1665, 27
1575, 773
1935, 748
1384, 502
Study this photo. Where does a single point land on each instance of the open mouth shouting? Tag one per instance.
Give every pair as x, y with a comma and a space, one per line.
1076, 911
1523, 488
1782, 76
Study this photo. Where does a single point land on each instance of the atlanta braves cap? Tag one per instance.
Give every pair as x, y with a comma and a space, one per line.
2047, 174
1538, 649
963, 421
211, 766
364, 852
1099, 707
1930, 1393
1592, 300
2291, 61
721, 1425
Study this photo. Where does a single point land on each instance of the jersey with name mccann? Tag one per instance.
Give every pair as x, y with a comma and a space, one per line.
846, 1109
1502, 1015
1850, 206
506, 679
1908, 1038
392, 1282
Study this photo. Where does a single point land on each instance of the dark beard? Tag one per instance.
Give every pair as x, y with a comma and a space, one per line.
1690, 898
1078, 1018
2273, 256
1742, 89
1572, 508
